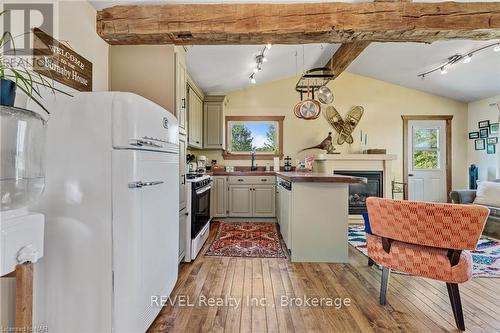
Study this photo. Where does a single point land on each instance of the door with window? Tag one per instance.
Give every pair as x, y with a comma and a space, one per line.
426, 167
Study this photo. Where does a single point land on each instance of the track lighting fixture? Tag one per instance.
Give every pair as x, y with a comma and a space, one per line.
259, 60
454, 59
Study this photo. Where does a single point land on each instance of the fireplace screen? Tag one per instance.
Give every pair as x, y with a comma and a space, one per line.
358, 193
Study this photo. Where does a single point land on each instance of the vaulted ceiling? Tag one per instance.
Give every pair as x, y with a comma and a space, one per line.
221, 69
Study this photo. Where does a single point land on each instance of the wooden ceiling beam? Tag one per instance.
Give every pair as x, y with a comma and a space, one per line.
345, 55
329, 22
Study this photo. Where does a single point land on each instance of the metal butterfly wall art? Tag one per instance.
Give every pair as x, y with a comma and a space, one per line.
344, 127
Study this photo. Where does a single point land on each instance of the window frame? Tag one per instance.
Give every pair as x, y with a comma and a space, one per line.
259, 155
437, 150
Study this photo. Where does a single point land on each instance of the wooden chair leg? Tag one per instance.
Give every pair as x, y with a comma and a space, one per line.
370, 261
456, 305
24, 297
386, 272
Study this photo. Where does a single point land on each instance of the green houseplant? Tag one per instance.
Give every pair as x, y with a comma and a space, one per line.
20, 76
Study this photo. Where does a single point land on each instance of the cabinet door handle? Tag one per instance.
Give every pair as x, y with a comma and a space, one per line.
263, 180
240, 180
186, 214
197, 141
183, 103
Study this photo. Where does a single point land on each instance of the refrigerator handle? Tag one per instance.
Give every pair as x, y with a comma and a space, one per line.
140, 142
140, 184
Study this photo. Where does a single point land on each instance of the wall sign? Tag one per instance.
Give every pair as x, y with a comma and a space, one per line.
60, 63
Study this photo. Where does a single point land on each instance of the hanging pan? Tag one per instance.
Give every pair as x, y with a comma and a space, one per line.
325, 95
310, 108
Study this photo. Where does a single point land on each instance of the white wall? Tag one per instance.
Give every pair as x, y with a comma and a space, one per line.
77, 26
488, 164
75, 23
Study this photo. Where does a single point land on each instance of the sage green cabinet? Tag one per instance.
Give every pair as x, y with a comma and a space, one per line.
240, 201
182, 171
218, 197
252, 200
195, 119
180, 90
213, 122
183, 216
264, 204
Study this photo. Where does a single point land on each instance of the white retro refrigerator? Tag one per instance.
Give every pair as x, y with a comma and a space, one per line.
111, 205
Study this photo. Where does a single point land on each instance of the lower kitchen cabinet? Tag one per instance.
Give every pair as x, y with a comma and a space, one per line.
264, 203
183, 218
252, 201
218, 197
240, 200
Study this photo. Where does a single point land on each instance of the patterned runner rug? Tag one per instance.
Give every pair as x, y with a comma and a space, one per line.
486, 259
247, 239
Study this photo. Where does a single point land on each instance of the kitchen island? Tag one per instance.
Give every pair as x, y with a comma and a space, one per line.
312, 211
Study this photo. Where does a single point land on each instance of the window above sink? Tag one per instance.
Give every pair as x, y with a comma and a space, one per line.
262, 134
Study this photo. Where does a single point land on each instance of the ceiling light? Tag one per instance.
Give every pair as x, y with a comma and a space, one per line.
264, 59
252, 80
456, 58
268, 46
256, 69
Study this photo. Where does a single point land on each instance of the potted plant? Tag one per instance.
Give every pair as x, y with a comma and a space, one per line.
21, 76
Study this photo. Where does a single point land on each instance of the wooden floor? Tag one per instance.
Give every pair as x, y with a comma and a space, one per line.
414, 304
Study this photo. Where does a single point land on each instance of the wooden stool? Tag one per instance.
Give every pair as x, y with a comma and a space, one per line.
24, 296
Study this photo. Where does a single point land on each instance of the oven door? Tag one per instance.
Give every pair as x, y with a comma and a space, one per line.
200, 209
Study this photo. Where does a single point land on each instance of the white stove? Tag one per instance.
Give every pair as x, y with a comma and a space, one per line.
198, 206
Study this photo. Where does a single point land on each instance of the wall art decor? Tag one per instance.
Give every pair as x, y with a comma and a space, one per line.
479, 144
494, 128
483, 132
484, 123
473, 135
491, 149
492, 140
344, 127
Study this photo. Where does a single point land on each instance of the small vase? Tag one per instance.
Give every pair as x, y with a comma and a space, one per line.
7, 92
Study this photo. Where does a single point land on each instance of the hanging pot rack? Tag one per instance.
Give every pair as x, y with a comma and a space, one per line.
313, 79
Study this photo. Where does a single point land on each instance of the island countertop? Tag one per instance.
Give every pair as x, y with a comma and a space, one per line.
319, 177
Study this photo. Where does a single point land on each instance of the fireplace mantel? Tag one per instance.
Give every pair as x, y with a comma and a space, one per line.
356, 157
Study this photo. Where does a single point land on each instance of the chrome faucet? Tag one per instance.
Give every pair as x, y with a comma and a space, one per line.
253, 167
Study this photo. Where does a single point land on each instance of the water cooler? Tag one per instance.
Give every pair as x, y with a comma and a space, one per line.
22, 180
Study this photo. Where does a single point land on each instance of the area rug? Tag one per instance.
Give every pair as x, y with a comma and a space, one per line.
247, 239
486, 259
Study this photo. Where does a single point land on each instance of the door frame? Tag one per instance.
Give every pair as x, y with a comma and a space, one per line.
448, 142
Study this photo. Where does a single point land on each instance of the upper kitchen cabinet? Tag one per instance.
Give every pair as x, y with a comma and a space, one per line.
213, 122
195, 117
180, 89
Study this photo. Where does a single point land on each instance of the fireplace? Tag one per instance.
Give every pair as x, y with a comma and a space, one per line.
359, 192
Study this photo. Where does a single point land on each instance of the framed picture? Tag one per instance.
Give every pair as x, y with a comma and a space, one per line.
494, 128
479, 144
483, 133
492, 140
473, 135
490, 149
484, 123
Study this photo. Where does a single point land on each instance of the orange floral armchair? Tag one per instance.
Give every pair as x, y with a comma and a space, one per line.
425, 239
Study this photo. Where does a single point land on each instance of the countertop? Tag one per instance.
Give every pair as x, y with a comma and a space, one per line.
319, 177
244, 173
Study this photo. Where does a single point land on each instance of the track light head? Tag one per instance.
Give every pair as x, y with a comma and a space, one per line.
467, 59
443, 70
